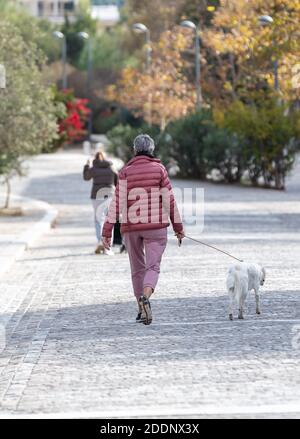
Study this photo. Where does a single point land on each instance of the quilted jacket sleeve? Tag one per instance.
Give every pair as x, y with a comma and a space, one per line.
170, 203
88, 173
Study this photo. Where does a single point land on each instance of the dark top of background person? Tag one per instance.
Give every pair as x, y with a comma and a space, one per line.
102, 174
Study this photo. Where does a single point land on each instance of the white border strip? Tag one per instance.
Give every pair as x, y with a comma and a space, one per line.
165, 412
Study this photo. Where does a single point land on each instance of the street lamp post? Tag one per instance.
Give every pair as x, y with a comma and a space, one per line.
86, 37
189, 24
267, 20
2, 76
61, 36
140, 28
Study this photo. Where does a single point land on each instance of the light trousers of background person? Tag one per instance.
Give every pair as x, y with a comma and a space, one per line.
145, 249
100, 206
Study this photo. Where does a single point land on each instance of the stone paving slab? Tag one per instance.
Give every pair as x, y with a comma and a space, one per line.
19, 233
11, 227
73, 348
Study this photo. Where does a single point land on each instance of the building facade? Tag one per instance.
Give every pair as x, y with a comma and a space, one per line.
118, 3
52, 10
105, 11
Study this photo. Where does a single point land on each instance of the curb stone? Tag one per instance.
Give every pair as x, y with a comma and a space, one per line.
20, 244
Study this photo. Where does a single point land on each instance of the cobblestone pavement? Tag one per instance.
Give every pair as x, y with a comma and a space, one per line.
72, 345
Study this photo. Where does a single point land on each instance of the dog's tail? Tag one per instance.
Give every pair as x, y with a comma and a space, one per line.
233, 282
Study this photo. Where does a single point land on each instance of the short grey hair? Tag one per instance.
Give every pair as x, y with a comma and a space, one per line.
143, 143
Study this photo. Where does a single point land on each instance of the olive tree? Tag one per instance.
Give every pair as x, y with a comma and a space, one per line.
27, 109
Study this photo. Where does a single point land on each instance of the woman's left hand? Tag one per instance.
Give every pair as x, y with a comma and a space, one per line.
180, 236
106, 242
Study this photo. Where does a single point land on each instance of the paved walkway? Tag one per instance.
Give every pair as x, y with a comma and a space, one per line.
71, 342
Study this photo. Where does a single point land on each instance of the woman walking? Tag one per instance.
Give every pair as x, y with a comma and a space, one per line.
104, 183
145, 200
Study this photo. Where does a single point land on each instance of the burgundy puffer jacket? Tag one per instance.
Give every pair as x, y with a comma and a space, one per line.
138, 200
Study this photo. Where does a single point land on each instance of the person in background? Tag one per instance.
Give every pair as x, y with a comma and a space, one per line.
172, 167
144, 233
104, 183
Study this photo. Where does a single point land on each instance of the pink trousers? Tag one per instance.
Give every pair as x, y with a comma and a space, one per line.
145, 250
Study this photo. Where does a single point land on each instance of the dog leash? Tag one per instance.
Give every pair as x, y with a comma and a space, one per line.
215, 248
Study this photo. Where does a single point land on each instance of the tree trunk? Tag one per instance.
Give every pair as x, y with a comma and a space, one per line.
265, 177
8, 192
279, 177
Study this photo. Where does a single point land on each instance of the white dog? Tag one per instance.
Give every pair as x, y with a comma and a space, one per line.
241, 279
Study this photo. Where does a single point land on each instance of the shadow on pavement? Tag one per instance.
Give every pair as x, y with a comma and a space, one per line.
190, 328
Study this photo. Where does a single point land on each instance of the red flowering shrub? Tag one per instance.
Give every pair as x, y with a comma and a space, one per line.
72, 127
72, 114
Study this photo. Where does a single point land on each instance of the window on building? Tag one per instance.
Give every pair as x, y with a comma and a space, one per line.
118, 3
69, 6
41, 9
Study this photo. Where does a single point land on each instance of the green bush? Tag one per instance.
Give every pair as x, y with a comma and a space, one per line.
109, 52
269, 134
254, 142
102, 125
107, 117
121, 139
183, 141
223, 152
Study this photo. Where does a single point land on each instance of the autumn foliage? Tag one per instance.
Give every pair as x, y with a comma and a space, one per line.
237, 56
245, 50
255, 125
164, 93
